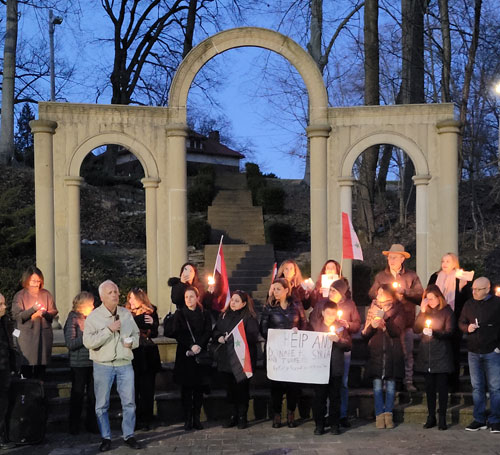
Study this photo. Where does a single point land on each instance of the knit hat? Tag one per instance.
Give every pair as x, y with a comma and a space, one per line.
340, 286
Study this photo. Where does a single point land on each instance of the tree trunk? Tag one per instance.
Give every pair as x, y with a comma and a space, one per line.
383, 170
190, 25
446, 52
8, 84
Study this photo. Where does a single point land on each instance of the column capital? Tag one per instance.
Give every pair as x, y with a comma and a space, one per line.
73, 180
148, 182
43, 126
177, 129
421, 179
448, 126
318, 130
346, 181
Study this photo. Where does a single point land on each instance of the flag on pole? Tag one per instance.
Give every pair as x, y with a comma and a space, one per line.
275, 272
239, 354
220, 276
351, 248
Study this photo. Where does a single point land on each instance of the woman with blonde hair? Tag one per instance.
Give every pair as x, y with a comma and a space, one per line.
290, 270
146, 361
81, 366
436, 323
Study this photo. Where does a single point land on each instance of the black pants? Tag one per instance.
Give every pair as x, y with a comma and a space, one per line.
4, 400
82, 381
192, 400
321, 393
292, 391
33, 371
436, 382
145, 395
238, 394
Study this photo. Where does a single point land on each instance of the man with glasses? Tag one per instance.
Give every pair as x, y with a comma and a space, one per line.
480, 321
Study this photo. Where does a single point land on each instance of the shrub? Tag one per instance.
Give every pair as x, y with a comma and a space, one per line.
202, 191
198, 232
272, 199
281, 235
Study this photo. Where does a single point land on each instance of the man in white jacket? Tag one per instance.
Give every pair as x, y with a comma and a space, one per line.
110, 334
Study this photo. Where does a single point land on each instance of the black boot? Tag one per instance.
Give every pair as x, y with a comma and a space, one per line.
431, 421
197, 402
442, 422
187, 406
242, 416
290, 419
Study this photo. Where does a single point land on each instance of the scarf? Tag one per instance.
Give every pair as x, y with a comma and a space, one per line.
447, 282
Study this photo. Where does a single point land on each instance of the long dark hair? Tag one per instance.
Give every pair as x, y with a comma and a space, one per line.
248, 309
271, 301
196, 280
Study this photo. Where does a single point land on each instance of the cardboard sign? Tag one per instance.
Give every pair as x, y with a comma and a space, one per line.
302, 356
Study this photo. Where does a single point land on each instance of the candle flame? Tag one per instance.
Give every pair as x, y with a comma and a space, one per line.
211, 280
395, 285
332, 329
428, 323
339, 313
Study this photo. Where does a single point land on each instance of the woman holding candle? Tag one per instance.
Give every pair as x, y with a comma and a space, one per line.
330, 321
238, 393
33, 309
436, 323
348, 317
290, 270
283, 312
330, 271
192, 329
384, 325
456, 292
188, 277
146, 361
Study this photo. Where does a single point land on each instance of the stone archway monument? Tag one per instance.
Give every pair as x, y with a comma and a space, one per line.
65, 133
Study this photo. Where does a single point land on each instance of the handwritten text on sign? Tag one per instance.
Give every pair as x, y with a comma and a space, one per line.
302, 356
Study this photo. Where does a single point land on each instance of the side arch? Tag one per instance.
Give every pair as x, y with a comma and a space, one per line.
250, 37
396, 139
135, 146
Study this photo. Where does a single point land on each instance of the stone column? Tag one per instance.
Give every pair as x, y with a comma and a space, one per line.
421, 183
44, 199
448, 134
74, 242
346, 184
176, 181
150, 188
318, 139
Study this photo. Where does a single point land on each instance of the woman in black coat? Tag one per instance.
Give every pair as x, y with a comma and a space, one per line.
456, 292
146, 361
436, 322
192, 329
188, 276
283, 312
238, 393
383, 327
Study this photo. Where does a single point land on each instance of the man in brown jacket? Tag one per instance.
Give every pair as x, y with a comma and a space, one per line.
409, 293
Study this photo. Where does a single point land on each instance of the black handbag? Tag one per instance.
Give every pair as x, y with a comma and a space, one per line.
168, 325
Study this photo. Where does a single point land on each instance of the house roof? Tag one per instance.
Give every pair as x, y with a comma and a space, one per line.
211, 146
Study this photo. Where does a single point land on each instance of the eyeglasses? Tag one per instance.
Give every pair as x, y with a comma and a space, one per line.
36, 281
479, 289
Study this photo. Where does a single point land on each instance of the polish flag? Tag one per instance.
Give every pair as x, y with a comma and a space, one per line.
220, 276
239, 356
351, 248
275, 272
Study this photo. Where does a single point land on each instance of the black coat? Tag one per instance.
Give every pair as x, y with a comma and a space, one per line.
227, 322
186, 371
386, 353
338, 348
147, 354
275, 317
9, 356
435, 354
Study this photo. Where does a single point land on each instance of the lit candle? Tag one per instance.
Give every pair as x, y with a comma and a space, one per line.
428, 323
339, 314
497, 291
211, 280
332, 329
395, 285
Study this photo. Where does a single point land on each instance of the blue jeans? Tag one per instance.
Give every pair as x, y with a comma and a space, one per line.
485, 369
104, 377
382, 406
344, 391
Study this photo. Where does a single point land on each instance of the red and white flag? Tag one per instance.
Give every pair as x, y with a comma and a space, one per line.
222, 283
241, 363
351, 248
275, 272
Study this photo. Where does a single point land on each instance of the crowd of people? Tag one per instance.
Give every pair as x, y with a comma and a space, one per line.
113, 343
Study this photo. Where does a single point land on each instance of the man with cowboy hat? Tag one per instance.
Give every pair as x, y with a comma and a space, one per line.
409, 293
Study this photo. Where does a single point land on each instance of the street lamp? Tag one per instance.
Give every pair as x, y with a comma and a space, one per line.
53, 21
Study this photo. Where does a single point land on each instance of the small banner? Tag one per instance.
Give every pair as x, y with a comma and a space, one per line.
303, 356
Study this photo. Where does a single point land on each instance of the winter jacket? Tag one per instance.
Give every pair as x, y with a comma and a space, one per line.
147, 354
228, 321
435, 354
186, 371
386, 353
8, 353
487, 312
106, 347
73, 335
461, 296
36, 337
411, 288
275, 317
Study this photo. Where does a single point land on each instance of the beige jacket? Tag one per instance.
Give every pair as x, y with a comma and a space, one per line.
105, 346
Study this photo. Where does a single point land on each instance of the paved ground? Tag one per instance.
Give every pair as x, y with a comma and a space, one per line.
261, 439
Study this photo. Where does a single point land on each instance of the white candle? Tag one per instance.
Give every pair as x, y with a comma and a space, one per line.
211, 280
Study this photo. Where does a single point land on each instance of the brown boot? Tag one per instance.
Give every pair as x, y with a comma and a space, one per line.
380, 422
389, 423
